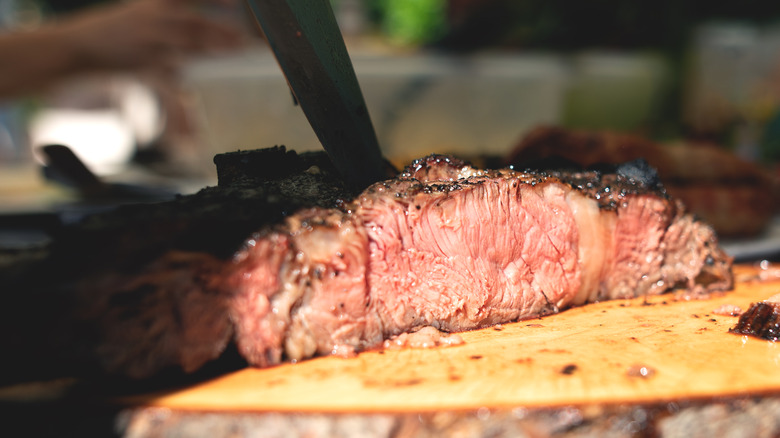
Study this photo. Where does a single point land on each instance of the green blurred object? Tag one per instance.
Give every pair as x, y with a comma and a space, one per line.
413, 22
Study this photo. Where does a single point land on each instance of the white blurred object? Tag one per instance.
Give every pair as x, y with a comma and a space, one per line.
418, 103
141, 109
102, 139
471, 106
102, 121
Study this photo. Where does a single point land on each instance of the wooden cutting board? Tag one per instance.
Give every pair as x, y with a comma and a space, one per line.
627, 351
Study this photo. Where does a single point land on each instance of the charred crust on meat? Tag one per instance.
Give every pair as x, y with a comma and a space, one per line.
639, 171
610, 185
569, 369
610, 189
215, 220
761, 320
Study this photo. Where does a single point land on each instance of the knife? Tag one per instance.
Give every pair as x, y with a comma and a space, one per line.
309, 47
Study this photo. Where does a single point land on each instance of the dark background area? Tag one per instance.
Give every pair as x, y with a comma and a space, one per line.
567, 25
561, 24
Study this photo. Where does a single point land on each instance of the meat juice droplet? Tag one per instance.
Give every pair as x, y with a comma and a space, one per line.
642, 371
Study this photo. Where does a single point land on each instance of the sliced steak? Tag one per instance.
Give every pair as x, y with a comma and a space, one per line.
281, 262
457, 248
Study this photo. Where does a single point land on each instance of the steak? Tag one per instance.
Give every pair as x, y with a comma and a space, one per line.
457, 248
278, 265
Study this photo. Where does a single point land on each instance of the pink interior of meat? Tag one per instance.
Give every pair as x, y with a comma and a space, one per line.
456, 248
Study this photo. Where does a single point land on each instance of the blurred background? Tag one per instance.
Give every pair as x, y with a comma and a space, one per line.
470, 77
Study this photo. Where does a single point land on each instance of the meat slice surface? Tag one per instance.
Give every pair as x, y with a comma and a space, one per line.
457, 248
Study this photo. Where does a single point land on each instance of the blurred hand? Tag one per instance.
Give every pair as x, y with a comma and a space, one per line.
146, 33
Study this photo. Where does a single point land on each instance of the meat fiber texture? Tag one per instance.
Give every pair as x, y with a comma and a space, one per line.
457, 248
283, 267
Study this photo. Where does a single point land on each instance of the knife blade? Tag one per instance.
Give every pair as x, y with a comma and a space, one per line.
309, 47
